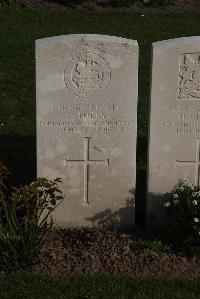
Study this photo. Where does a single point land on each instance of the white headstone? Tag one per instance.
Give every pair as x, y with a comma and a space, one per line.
174, 141
86, 126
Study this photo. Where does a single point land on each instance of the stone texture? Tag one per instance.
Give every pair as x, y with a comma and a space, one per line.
86, 126
174, 139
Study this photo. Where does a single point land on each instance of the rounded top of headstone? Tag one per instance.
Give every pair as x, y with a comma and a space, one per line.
85, 60
94, 37
176, 41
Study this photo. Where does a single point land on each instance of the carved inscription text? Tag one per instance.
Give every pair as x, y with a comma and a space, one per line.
182, 119
87, 119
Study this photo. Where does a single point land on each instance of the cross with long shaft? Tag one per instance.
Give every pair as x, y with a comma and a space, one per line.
86, 162
195, 163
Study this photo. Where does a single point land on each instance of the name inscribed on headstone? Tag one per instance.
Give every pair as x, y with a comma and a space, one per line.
88, 119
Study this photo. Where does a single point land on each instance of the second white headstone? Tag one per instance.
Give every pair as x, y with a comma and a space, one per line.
174, 139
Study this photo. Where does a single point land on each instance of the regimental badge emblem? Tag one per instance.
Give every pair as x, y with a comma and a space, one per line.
87, 75
189, 77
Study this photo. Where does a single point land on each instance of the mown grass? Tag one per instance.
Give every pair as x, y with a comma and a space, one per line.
29, 286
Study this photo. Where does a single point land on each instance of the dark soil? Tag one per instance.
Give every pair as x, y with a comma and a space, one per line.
92, 251
104, 5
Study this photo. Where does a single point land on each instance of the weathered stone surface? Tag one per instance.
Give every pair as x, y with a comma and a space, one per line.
86, 126
174, 144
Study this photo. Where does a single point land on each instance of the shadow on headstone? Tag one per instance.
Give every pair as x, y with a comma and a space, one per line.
121, 220
18, 153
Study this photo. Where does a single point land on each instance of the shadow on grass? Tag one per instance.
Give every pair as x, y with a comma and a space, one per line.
18, 153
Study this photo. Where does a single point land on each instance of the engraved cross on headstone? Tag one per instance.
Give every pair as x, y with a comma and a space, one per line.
86, 162
196, 163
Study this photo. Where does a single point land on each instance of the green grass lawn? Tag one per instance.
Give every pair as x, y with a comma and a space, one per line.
28, 286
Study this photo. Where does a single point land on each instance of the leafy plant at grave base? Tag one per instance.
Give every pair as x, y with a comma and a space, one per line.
155, 245
26, 220
183, 209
